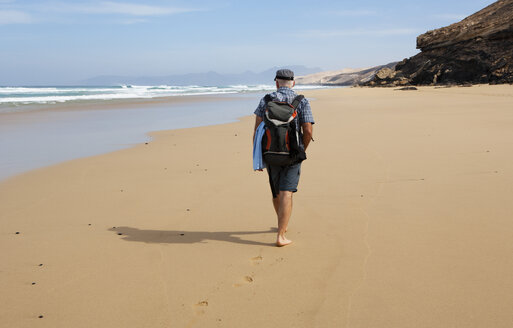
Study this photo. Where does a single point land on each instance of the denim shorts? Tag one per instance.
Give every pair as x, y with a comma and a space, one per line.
283, 178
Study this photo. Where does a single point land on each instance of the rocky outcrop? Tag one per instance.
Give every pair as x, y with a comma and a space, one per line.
479, 49
342, 77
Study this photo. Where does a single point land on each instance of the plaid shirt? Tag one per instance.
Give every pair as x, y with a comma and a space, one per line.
304, 111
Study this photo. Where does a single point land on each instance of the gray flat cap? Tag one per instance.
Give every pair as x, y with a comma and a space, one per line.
284, 74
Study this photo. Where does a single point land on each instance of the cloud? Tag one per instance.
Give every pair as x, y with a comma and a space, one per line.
14, 17
13, 12
357, 32
121, 8
50, 11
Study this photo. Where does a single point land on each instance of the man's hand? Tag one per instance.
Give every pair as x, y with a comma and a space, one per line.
307, 133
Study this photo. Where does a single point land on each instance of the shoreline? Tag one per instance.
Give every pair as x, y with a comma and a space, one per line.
52, 134
25, 149
404, 220
118, 103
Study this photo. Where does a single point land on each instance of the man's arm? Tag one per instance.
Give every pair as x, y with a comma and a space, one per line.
307, 133
258, 120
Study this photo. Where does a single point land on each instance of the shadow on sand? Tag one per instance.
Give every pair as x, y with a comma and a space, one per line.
188, 237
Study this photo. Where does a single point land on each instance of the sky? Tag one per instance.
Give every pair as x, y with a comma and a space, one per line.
60, 42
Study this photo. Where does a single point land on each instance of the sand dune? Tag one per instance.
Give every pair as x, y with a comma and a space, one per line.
346, 77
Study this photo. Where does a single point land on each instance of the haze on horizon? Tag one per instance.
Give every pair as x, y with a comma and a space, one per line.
56, 42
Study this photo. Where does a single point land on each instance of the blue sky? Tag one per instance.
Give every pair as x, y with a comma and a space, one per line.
52, 42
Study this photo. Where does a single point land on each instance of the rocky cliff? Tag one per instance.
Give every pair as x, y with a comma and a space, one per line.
478, 49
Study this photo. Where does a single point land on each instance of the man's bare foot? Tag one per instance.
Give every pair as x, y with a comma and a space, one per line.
282, 241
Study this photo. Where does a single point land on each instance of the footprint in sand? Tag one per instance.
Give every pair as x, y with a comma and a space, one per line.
246, 280
257, 260
277, 260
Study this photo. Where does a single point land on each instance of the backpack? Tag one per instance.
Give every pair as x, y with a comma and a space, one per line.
281, 140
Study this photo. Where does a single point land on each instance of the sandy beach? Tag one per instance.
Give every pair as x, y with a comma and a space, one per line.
402, 219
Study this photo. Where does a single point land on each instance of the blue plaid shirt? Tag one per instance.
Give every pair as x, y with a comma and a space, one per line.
304, 111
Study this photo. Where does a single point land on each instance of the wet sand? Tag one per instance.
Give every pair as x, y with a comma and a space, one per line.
402, 219
40, 135
111, 104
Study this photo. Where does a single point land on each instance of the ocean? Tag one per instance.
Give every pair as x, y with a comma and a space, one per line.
14, 98
38, 128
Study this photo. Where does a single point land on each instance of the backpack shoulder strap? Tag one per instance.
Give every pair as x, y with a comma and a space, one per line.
268, 98
297, 100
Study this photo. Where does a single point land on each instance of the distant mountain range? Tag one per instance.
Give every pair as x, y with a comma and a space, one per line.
203, 79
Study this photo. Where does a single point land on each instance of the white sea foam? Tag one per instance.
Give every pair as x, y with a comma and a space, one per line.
48, 95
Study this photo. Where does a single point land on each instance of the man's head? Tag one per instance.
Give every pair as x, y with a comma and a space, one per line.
284, 78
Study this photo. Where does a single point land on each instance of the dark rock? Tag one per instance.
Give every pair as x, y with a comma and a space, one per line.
40, 317
119, 233
33, 283
145, 143
17, 232
407, 88
182, 234
41, 264
478, 49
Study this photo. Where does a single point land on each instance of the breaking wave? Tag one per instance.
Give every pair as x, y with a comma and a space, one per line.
49, 95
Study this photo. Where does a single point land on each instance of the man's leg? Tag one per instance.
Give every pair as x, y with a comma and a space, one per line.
284, 211
276, 204
283, 183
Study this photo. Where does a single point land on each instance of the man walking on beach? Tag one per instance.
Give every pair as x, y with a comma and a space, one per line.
284, 179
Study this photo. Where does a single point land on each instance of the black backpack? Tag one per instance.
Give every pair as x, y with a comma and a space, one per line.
281, 140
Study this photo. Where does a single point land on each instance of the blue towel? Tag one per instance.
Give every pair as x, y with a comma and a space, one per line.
258, 161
